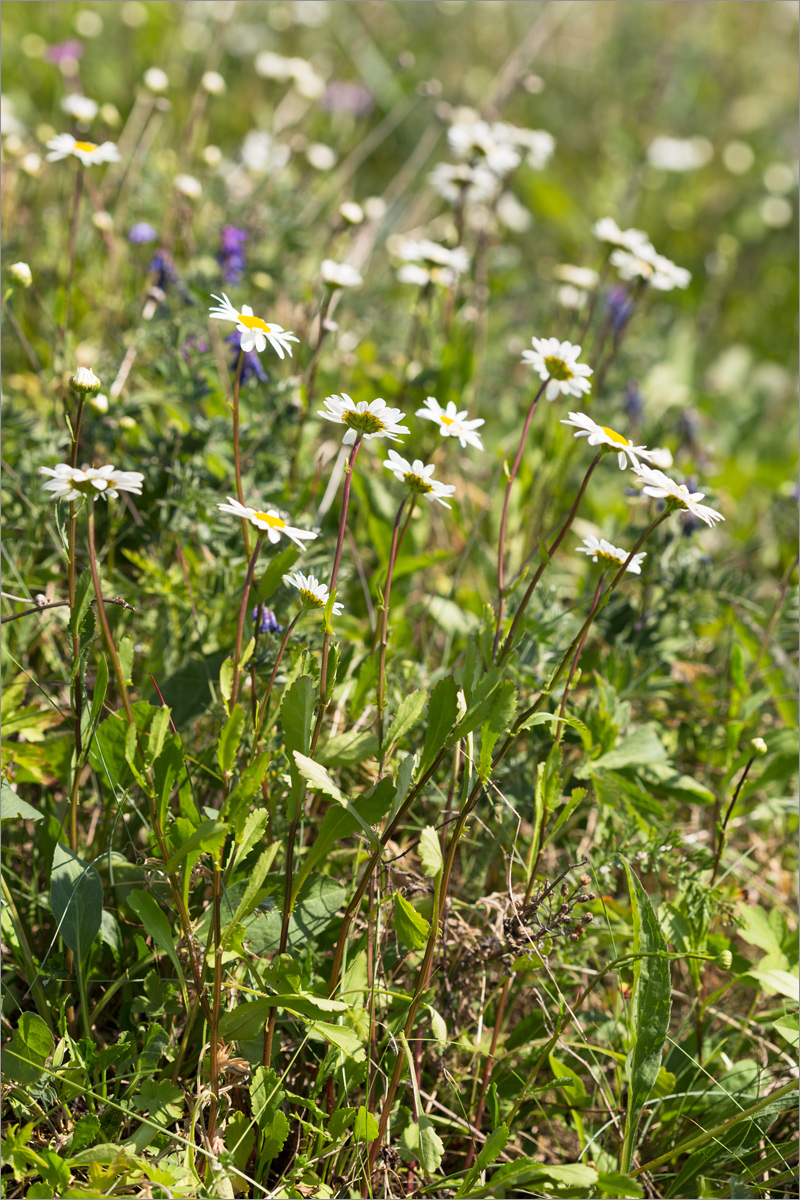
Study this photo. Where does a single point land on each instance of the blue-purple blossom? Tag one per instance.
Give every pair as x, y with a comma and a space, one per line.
252, 364
142, 233
269, 623
63, 50
619, 306
633, 402
231, 256
164, 267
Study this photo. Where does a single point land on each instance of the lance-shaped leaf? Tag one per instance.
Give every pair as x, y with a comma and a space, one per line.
442, 713
339, 823
408, 710
76, 895
297, 715
319, 779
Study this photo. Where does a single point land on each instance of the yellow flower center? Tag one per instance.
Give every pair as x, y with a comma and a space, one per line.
446, 420
362, 422
615, 437
417, 484
558, 369
273, 522
609, 560
311, 599
87, 147
254, 323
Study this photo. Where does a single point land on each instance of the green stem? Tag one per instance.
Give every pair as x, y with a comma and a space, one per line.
101, 612
76, 685
216, 1001
30, 967
237, 650
268, 692
721, 838
385, 621
236, 459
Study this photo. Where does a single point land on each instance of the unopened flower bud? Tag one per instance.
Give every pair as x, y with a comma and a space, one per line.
21, 273
724, 960
584, 880
587, 917
574, 937
759, 745
99, 402
85, 382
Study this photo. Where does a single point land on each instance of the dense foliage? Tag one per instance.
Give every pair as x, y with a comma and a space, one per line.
416, 816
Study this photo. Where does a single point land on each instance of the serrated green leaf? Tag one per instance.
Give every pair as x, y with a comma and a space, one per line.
297, 716
442, 713
365, 1128
159, 728
410, 926
318, 778
125, 653
406, 716
229, 738
494, 1145
642, 747
208, 839
226, 682
430, 853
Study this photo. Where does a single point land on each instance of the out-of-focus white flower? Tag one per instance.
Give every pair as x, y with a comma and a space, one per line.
759, 746
262, 155
607, 230
156, 79
313, 594
512, 214
661, 457
679, 154
214, 83
269, 522
500, 144
418, 478
463, 182
20, 272
364, 420
602, 435
255, 333
659, 485
64, 144
308, 83
572, 297
340, 275
580, 277
31, 163
540, 146
212, 155
451, 422
656, 270
10, 126
431, 253
99, 402
321, 157
85, 381
557, 363
351, 212
69, 483
82, 108
611, 556
414, 274
187, 185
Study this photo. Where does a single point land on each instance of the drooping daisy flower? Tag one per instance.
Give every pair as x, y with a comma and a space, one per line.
607, 230
365, 420
656, 270
602, 435
418, 478
451, 422
557, 363
255, 332
659, 485
269, 522
69, 483
340, 275
89, 153
312, 593
611, 556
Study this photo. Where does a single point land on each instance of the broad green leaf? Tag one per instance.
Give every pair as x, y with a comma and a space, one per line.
229, 738
365, 1128
208, 839
266, 1095
274, 1137
575, 1090
616, 1186
252, 830
319, 779
431, 1146
125, 652
348, 748
442, 713
541, 718
430, 853
314, 907
159, 728
490, 696
155, 922
643, 747
410, 926
540, 1177
406, 716
495, 1144
343, 1038
226, 682
565, 812
25, 1055
649, 1011
297, 716
279, 566
12, 806
339, 823
774, 980
255, 882
246, 787
789, 1028
247, 1021
76, 896
438, 1028
405, 773
240, 1138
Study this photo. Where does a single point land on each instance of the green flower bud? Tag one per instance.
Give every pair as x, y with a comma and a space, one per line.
724, 960
21, 273
85, 382
759, 746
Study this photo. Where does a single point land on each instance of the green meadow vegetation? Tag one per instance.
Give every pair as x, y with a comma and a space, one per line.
399, 599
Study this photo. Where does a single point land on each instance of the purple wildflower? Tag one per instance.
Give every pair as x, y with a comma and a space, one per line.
141, 233
231, 255
269, 623
252, 364
64, 50
347, 96
619, 306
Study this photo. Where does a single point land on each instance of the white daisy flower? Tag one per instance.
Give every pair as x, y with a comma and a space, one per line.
255, 332
607, 230
420, 277
540, 145
475, 183
312, 593
89, 153
659, 272
557, 363
572, 297
610, 556
69, 483
270, 522
602, 435
340, 275
432, 254
579, 277
418, 478
82, 108
661, 457
365, 420
659, 485
451, 422
20, 272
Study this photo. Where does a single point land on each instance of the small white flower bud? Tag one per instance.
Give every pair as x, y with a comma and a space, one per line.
99, 402
21, 273
353, 213
759, 746
156, 79
84, 381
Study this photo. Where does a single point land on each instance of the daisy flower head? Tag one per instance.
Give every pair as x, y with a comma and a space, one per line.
82, 108
557, 363
64, 144
451, 422
602, 435
365, 420
313, 594
269, 522
69, 483
660, 486
84, 381
418, 478
340, 275
607, 230
255, 332
610, 556
656, 270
